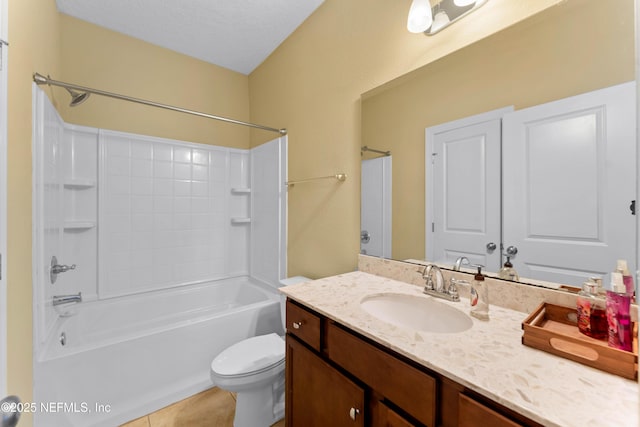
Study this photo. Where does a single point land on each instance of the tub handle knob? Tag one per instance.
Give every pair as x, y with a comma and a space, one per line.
57, 269
297, 325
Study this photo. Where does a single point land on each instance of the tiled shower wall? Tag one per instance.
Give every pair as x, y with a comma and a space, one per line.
170, 213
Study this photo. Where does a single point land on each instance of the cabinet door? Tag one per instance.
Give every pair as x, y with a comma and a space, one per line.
474, 414
387, 417
318, 395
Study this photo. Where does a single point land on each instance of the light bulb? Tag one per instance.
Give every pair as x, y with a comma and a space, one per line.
420, 17
462, 3
439, 21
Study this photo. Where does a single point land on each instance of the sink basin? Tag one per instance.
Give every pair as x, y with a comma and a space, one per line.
415, 312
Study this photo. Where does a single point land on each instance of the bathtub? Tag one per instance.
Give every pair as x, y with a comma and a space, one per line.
125, 357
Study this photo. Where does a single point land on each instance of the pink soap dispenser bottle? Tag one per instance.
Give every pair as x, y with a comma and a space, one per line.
618, 317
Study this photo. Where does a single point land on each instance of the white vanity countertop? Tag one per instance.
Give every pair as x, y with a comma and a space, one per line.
489, 358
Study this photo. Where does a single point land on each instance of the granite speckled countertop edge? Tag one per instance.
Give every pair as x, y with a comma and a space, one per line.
488, 358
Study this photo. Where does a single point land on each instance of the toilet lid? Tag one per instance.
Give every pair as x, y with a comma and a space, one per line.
250, 356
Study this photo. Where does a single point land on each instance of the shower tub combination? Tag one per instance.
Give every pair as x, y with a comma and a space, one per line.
119, 359
179, 250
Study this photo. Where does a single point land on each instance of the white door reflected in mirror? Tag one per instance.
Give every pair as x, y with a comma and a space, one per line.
568, 178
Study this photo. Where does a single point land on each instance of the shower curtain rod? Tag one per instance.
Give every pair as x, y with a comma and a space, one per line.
373, 150
41, 80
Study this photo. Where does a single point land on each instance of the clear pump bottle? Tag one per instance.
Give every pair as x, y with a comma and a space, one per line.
507, 272
479, 296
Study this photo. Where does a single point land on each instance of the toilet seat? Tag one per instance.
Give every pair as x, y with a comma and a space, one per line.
250, 357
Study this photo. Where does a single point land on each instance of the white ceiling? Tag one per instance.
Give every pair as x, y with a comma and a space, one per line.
235, 34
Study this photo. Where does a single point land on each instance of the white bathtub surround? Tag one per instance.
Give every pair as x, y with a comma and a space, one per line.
178, 250
165, 213
488, 358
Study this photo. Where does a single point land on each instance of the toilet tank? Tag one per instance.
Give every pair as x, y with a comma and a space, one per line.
283, 298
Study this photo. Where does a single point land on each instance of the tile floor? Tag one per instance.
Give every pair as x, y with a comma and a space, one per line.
211, 408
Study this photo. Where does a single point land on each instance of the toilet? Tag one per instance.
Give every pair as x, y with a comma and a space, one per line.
254, 369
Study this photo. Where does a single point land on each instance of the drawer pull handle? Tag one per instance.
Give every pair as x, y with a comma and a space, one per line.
297, 325
353, 413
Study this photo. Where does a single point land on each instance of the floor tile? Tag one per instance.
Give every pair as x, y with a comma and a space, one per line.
140, 422
213, 407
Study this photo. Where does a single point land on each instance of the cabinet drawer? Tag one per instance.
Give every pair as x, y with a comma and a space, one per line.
407, 387
474, 414
303, 324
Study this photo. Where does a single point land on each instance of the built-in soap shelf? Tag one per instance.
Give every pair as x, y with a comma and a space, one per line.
74, 184
240, 220
240, 190
79, 183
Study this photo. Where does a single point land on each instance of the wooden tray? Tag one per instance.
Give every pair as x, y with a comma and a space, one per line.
553, 328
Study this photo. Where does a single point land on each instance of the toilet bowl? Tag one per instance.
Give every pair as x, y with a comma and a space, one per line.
254, 369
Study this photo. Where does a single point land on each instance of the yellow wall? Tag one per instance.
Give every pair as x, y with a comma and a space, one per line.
33, 35
312, 85
95, 57
565, 51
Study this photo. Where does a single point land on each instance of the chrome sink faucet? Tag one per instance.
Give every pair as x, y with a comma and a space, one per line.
462, 260
437, 287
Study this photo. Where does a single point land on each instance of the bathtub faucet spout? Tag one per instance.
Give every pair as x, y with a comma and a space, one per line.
65, 299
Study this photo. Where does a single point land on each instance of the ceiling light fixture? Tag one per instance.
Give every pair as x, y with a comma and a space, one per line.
429, 20
463, 3
440, 21
420, 16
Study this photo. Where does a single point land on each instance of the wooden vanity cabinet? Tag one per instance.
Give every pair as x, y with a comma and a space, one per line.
336, 377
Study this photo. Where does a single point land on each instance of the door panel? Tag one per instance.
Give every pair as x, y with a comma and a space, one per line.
568, 180
465, 165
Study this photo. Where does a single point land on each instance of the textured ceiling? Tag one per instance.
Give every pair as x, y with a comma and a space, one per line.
235, 34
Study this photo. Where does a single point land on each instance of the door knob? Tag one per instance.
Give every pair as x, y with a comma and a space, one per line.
365, 237
491, 246
512, 250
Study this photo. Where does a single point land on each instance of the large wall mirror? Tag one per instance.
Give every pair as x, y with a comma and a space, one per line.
573, 48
